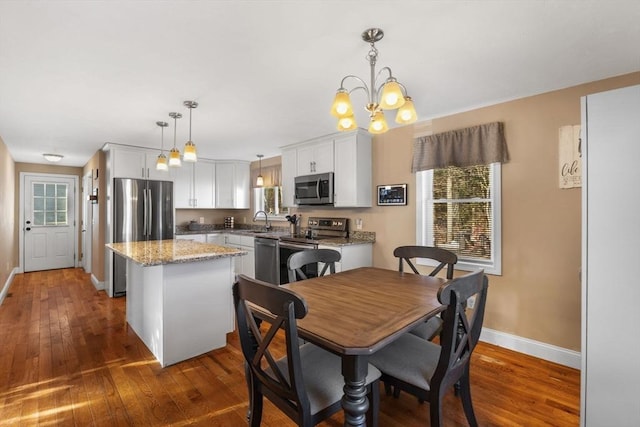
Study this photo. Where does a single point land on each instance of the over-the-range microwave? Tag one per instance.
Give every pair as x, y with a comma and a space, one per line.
314, 189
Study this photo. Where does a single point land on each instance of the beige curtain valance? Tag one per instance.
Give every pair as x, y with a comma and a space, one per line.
477, 145
272, 176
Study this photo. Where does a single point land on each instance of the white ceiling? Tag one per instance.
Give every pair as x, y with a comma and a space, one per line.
77, 74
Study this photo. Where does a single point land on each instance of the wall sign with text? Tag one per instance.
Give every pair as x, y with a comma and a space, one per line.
570, 157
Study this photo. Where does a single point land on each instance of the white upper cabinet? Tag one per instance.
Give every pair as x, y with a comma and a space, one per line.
289, 171
232, 185
352, 180
136, 163
204, 175
347, 154
194, 185
316, 157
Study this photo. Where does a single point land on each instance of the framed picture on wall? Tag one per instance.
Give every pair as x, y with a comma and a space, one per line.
392, 195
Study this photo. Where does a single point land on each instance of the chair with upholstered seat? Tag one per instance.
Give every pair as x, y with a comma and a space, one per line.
299, 259
426, 369
307, 384
445, 258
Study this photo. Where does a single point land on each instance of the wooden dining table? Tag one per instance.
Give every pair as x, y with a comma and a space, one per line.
357, 312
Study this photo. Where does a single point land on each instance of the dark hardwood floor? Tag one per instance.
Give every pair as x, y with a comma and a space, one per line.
68, 358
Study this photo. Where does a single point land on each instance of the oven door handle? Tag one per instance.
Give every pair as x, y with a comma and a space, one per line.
287, 245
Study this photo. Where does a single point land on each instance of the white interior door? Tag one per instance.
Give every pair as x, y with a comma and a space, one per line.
49, 222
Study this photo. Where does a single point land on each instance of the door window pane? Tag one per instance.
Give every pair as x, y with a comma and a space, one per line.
49, 204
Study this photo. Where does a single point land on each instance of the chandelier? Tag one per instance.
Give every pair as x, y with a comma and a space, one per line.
390, 95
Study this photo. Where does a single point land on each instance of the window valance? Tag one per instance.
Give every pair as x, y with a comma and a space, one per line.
272, 175
477, 145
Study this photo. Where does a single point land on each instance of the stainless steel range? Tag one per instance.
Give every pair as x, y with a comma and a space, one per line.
318, 229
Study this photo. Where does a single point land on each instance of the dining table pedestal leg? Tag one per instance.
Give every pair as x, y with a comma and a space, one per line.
354, 401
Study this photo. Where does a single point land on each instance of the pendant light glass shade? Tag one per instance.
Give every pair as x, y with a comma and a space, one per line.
190, 148
174, 158
392, 96
260, 179
406, 113
190, 152
174, 154
378, 123
342, 104
161, 163
347, 123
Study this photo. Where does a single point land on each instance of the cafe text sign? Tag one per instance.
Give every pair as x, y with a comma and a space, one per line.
570, 157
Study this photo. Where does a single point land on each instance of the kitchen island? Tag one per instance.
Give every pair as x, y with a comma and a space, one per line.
179, 295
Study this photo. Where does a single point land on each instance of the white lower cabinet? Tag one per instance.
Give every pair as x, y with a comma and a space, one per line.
216, 238
351, 256
202, 238
245, 264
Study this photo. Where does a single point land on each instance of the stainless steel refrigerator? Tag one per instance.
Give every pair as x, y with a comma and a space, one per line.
142, 210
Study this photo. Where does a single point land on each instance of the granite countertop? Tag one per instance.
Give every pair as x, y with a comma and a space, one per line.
355, 238
157, 252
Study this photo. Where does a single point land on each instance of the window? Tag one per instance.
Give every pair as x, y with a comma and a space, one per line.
458, 209
269, 199
49, 204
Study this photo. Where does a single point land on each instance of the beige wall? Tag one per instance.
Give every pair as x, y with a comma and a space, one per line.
538, 294
96, 166
8, 233
43, 168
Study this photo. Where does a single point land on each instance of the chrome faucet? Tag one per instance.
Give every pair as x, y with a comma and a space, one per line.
267, 225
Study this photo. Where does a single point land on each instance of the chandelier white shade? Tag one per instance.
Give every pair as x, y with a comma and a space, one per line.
389, 95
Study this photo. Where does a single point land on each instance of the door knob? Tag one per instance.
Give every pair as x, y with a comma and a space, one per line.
28, 222
28, 228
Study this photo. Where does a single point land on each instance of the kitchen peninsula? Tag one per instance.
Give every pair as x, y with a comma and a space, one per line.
179, 298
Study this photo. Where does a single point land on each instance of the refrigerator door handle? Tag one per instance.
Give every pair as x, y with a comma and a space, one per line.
150, 213
145, 209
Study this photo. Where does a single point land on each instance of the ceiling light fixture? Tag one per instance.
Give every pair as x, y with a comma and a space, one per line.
174, 154
260, 179
389, 95
161, 163
190, 148
53, 157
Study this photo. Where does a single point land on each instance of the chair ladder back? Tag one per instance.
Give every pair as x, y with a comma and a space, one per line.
460, 333
287, 386
443, 256
298, 260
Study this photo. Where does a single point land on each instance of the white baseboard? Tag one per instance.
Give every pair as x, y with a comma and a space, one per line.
534, 348
96, 283
5, 288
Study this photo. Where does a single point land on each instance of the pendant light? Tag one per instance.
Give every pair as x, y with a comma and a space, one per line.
174, 154
161, 163
190, 148
260, 179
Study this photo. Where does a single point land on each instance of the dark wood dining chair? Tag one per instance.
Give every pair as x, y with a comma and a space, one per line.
299, 259
429, 329
307, 384
426, 369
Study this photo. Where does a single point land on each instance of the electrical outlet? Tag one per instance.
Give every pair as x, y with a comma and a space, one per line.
471, 302
359, 224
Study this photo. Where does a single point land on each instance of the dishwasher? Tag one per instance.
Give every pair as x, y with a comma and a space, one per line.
267, 260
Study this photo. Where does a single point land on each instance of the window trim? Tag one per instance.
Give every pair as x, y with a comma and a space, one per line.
424, 191
258, 195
